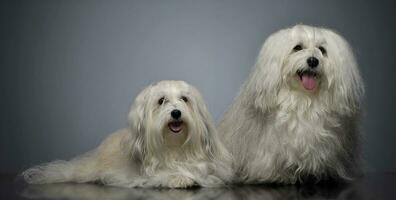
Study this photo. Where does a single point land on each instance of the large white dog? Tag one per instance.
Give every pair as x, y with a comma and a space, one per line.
295, 118
171, 142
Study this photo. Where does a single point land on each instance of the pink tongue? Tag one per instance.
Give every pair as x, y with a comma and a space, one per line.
175, 126
308, 81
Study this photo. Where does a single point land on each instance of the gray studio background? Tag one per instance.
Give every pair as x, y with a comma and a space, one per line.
70, 69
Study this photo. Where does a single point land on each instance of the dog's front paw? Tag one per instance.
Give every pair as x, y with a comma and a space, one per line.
180, 182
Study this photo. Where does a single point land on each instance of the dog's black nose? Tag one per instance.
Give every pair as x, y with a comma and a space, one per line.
312, 62
176, 114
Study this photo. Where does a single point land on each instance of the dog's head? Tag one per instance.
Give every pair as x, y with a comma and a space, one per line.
310, 61
170, 115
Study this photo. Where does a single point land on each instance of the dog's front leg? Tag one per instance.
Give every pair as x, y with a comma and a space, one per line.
180, 181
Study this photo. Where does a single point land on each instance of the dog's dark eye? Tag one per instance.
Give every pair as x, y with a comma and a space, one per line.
161, 100
184, 98
298, 48
323, 50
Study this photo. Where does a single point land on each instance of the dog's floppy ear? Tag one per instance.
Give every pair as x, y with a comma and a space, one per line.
264, 82
208, 134
346, 81
136, 120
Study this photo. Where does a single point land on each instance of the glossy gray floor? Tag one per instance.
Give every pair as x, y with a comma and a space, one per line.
372, 186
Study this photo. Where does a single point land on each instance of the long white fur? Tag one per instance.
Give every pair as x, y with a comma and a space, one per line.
279, 132
146, 154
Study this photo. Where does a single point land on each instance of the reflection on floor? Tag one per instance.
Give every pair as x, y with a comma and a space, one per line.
373, 186
89, 191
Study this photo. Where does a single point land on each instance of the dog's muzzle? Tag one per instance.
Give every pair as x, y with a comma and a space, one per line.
176, 125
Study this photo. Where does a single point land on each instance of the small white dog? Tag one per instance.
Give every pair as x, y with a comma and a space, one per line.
295, 118
171, 142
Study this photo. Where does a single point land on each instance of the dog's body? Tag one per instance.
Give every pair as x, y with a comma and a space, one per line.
171, 142
296, 116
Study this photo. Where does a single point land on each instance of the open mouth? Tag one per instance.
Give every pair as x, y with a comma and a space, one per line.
175, 126
308, 78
